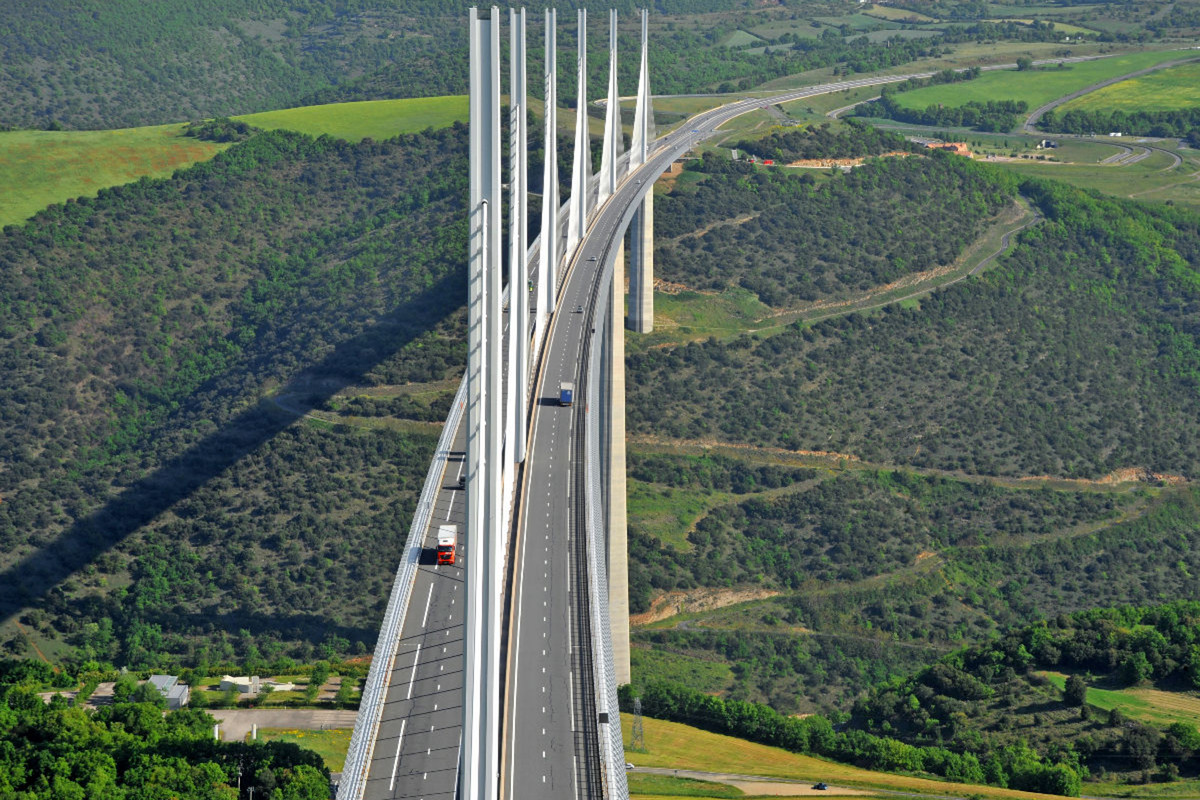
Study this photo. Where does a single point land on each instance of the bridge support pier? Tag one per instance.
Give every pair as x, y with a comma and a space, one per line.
641, 268
616, 513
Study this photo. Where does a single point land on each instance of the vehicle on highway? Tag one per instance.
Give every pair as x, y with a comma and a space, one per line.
628, 765
593, 258
446, 542
578, 309
822, 786
566, 393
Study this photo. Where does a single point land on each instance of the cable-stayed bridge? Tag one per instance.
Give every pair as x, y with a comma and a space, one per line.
497, 676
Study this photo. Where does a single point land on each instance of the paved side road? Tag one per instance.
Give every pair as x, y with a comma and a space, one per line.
236, 722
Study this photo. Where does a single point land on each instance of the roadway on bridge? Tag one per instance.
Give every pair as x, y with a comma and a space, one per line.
417, 745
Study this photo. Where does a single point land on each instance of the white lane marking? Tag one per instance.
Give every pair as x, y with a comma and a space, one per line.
428, 600
451, 506
571, 700
413, 676
396, 762
575, 763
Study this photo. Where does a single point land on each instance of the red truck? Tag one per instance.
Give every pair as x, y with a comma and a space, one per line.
446, 542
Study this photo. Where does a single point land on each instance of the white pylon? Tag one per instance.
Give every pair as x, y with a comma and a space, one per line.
612, 120
640, 144
581, 168
481, 657
548, 252
518, 265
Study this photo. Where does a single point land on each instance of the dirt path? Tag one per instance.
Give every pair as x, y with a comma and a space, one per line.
755, 785
1122, 479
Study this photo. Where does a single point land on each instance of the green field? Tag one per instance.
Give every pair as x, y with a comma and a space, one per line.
1168, 90
330, 745
659, 786
739, 38
669, 514
1062, 27
1148, 705
38, 168
897, 14
705, 676
377, 119
1035, 87
858, 22
676, 746
1151, 179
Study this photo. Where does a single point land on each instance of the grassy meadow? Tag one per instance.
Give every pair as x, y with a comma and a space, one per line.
375, 119
331, 745
897, 14
676, 746
38, 168
1151, 179
1148, 705
1171, 89
1035, 87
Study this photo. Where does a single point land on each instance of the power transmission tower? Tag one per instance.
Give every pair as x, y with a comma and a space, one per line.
638, 743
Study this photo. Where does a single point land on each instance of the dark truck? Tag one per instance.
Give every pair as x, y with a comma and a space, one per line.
566, 393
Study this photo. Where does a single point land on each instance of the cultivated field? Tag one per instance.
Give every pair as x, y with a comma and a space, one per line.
1035, 87
38, 168
1168, 90
898, 14
377, 119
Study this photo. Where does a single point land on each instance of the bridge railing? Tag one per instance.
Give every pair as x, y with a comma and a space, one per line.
612, 749
362, 742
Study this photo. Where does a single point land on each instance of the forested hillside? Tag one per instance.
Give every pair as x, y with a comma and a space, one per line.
997, 695
992, 713
109, 64
1077, 356
787, 240
157, 343
933, 433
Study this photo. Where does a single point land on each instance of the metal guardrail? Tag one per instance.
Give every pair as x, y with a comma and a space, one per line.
612, 748
370, 711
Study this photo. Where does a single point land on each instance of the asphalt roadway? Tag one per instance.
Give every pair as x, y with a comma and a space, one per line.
417, 745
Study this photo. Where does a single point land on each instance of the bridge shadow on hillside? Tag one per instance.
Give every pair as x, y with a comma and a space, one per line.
34, 577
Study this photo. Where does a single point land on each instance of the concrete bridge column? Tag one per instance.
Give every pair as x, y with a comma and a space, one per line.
618, 547
641, 272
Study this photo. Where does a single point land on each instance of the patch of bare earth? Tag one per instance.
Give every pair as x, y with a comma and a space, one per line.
703, 599
843, 162
712, 444
1116, 477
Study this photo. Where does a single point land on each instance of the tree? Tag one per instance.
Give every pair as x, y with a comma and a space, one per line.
1024, 63
345, 692
1075, 691
1135, 668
